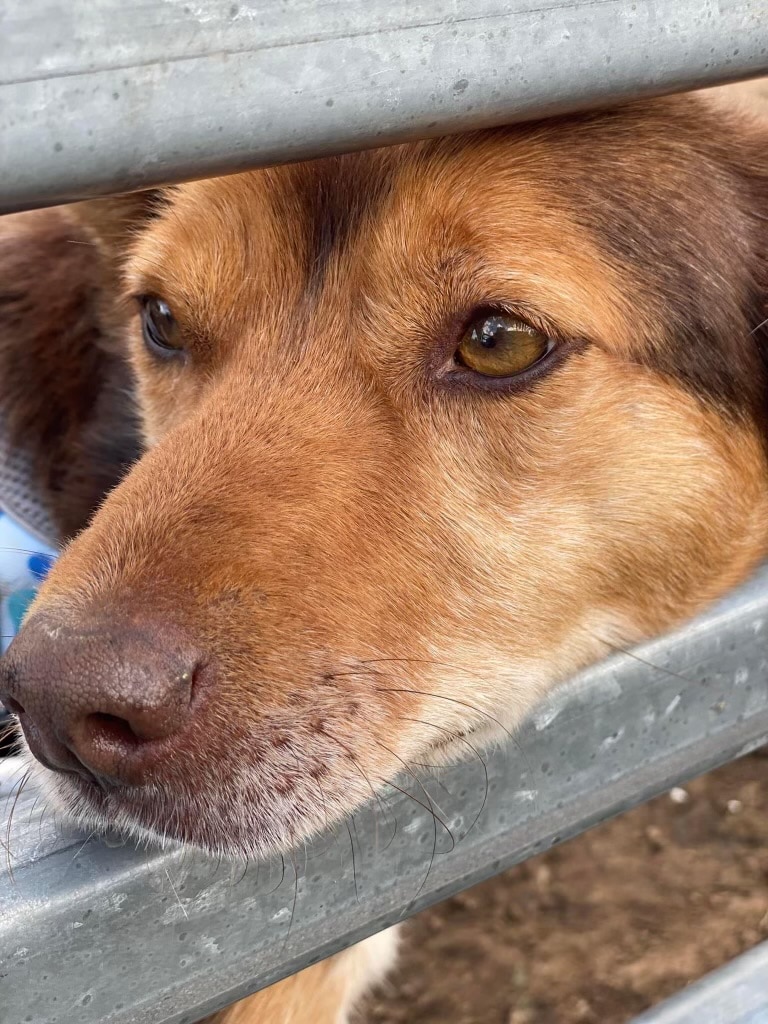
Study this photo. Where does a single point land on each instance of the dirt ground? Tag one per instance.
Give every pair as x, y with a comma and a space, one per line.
602, 927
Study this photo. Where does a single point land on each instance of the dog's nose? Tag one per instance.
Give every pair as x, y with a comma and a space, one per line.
108, 700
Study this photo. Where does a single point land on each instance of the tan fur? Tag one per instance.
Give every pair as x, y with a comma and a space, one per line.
322, 994
351, 536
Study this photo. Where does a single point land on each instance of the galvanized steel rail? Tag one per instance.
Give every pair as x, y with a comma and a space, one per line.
101, 96
104, 935
734, 994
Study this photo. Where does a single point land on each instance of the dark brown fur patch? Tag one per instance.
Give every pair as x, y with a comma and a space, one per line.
64, 393
665, 228
337, 196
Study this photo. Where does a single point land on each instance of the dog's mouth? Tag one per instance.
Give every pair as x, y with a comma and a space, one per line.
220, 823
234, 811
141, 814
229, 807
248, 779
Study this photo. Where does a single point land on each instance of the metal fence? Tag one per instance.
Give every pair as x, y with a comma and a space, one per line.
99, 935
99, 96
109, 95
734, 994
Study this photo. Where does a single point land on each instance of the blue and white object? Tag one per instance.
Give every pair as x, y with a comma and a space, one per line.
24, 563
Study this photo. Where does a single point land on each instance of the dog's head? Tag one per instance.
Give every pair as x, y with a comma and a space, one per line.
427, 429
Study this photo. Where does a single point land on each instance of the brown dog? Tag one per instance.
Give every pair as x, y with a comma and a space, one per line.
442, 421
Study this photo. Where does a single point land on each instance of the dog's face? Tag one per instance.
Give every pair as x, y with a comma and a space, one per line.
427, 429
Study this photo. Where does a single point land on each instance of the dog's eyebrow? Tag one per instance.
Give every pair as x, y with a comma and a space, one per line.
336, 196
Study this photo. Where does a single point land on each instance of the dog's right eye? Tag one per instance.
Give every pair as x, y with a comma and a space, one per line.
162, 334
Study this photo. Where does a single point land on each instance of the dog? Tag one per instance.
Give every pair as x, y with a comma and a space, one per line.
360, 456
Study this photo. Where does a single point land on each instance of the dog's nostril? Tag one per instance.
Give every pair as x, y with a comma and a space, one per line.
107, 698
111, 728
13, 706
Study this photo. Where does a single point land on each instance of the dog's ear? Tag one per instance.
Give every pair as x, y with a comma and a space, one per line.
756, 172
747, 104
112, 222
68, 428
722, 243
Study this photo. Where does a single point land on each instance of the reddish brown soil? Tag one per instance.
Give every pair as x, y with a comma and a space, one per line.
602, 927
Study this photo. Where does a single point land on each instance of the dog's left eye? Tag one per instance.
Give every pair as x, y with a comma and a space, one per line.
501, 346
162, 335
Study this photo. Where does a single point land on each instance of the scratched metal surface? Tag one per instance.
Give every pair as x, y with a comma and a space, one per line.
109, 95
108, 935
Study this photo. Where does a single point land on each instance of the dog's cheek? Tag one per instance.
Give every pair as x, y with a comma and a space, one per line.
649, 507
167, 394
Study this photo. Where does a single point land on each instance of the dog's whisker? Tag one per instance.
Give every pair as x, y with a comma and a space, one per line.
429, 806
175, 893
282, 875
375, 794
18, 773
41, 820
9, 730
423, 693
618, 649
295, 893
421, 786
438, 767
33, 807
455, 736
86, 841
8, 857
19, 551
18, 791
475, 751
354, 861
433, 854
472, 707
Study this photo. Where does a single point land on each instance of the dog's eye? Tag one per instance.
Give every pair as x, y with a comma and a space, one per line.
162, 335
501, 346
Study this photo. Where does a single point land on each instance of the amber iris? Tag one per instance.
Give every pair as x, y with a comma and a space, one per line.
501, 346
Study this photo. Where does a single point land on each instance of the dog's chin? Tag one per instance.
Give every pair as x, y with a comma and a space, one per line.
245, 816
222, 824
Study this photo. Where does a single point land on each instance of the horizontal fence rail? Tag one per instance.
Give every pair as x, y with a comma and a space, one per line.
105, 935
734, 994
100, 96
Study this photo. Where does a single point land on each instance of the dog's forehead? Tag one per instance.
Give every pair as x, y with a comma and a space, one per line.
618, 227
344, 221
286, 227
